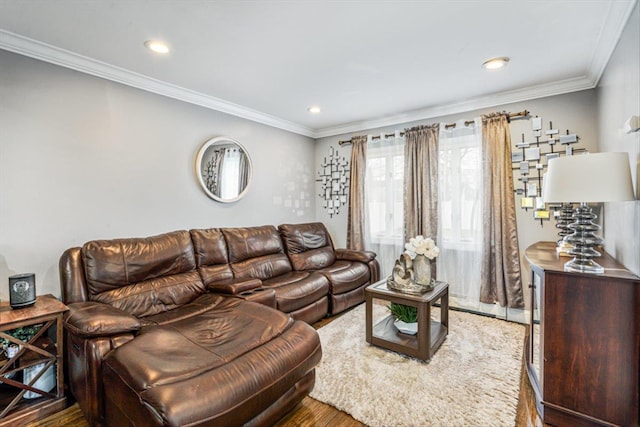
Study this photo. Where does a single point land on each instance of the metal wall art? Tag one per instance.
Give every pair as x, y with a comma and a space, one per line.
334, 178
529, 161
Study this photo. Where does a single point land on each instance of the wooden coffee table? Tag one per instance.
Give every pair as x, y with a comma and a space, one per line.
431, 333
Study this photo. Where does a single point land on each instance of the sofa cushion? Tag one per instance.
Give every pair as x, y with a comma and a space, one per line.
256, 252
252, 242
209, 246
200, 377
263, 268
156, 295
297, 289
345, 276
111, 264
185, 348
196, 307
142, 276
308, 246
211, 255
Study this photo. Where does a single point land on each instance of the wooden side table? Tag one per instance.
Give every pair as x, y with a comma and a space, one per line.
431, 333
36, 355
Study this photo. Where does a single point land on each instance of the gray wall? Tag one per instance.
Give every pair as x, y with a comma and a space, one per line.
618, 99
83, 158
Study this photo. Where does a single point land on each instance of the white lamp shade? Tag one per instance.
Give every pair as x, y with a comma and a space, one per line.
590, 178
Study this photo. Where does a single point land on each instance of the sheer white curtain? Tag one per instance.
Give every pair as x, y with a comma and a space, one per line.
230, 170
384, 199
460, 215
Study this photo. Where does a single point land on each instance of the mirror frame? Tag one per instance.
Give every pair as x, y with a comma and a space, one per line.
198, 168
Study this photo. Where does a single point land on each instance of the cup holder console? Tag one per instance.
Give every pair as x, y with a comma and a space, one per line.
252, 292
264, 296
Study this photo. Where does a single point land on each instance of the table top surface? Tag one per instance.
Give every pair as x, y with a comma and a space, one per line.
44, 305
544, 256
380, 289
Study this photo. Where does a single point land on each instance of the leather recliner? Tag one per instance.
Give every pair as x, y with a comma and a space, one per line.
348, 272
148, 345
257, 252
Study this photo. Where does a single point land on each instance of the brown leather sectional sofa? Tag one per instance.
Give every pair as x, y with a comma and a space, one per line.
182, 328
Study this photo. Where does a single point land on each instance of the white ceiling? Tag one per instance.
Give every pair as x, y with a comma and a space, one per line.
365, 63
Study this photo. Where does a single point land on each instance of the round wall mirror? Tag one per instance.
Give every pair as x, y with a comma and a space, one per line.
224, 169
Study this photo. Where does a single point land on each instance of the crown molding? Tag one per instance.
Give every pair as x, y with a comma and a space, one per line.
502, 98
44, 52
615, 21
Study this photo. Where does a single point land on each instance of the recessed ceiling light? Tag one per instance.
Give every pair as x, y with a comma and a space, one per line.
314, 109
157, 46
495, 63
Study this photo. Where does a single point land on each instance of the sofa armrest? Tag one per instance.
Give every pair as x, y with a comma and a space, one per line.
353, 255
94, 319
234, 287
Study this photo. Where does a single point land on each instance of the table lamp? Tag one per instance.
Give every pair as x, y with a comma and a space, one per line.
587, 178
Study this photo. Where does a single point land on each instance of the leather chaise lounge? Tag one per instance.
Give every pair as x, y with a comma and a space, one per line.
181, 329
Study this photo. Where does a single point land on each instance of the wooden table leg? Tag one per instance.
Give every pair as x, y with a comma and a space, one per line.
444, 308
369, 316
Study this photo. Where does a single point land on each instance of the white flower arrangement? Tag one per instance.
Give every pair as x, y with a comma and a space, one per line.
420, 246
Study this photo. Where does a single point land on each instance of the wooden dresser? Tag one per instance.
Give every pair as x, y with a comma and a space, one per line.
586, 327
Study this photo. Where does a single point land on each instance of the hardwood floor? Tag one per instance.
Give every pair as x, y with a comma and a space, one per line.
312, 413
308, 413
70, 417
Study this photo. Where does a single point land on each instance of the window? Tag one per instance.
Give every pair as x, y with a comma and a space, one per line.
460, 215
385, 176
460, 189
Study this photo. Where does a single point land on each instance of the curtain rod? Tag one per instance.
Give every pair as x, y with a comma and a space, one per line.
512, 116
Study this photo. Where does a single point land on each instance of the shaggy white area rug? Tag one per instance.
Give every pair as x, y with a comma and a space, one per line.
472, 380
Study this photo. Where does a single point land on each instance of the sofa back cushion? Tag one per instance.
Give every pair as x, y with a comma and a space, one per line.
256, 252
308, 246
212, 258
142, 276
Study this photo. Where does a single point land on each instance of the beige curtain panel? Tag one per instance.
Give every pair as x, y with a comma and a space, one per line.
500, 272
355, 215
421, 181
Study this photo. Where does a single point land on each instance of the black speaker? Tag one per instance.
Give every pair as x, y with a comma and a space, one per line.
22, 290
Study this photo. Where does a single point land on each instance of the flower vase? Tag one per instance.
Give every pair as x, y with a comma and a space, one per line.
422, 270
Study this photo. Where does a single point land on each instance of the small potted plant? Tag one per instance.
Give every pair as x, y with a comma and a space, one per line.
406, 318
24, 334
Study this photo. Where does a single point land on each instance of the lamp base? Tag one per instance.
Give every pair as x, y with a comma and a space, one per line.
563, 219
563, 248
583, 240
584, 266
